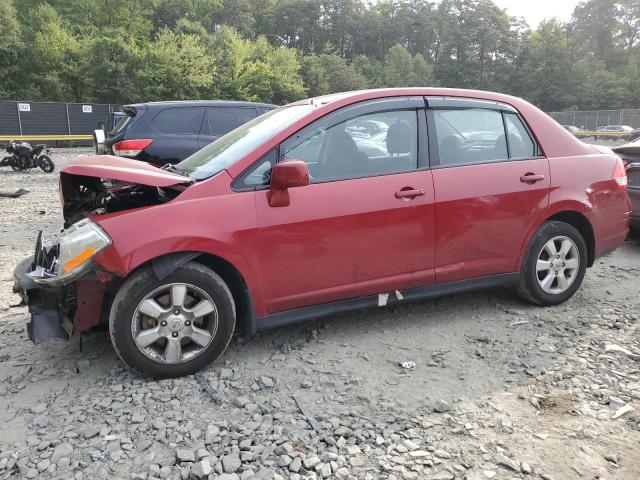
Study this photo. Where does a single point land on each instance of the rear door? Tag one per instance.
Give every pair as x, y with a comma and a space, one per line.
220, 120
491, 184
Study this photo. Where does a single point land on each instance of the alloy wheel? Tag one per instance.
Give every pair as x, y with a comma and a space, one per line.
557, 265
174, 323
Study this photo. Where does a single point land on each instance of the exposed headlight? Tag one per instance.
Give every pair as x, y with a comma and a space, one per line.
78, 245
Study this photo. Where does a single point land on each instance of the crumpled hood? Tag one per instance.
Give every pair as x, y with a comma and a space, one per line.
123, 170
102, 184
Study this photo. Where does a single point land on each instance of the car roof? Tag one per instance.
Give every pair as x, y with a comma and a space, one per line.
199, 103
409, 91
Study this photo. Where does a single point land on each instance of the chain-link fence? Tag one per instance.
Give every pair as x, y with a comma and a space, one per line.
598, 118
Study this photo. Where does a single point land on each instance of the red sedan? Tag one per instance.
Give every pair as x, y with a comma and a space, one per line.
354, 200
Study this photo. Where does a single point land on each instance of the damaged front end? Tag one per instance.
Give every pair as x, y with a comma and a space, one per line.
60, 284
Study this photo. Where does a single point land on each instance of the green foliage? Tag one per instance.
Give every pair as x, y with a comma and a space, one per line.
175, 66
330, 73
10, 46
402, 70
111, 65
256, 71
282, 50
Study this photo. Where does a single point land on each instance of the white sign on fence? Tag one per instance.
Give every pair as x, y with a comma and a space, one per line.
87, 109
24, 107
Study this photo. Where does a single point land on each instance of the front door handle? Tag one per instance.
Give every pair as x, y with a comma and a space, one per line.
531, 178
410, 193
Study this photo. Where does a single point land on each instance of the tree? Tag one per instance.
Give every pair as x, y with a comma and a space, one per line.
276, 50
10, 48
52, 63
551, 69
255, 71
402, 70
176, 66
112, 65
330, 73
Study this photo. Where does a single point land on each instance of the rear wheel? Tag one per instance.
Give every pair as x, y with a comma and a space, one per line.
46, 164
175, 326
554, 264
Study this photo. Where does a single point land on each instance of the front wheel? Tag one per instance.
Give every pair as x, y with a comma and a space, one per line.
46, 164
554, 264
175, 326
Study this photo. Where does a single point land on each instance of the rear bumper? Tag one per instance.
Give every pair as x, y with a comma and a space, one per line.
613, 229
46, 306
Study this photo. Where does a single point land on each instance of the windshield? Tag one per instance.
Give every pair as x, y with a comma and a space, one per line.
231, 147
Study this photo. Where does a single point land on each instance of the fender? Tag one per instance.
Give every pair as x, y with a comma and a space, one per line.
168, 254
558, 207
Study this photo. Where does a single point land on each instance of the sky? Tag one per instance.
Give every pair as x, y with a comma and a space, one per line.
534, 11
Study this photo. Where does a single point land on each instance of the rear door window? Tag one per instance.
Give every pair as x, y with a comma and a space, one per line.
179, 121
468, 135
476, 135
222, 120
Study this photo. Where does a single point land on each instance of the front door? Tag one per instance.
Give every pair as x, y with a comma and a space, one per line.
491, 185
365, 224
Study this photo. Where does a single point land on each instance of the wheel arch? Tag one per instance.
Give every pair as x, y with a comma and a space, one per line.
583, 225
245, 314
574, 217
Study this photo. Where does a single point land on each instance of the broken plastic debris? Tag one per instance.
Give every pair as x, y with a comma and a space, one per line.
383, 298
623, 411
617, 348
516, 323
95, 456
399, 295
16, 194
409, 365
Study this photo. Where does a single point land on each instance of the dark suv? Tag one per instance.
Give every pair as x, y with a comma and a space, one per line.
168, 132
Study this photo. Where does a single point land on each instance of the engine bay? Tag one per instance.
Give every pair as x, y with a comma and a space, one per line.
83, 196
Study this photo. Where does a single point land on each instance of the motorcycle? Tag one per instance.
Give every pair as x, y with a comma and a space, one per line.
23, 157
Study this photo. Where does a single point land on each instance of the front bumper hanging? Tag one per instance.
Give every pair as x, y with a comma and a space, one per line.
46, 305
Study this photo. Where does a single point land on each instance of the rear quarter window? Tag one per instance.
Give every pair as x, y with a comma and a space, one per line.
177, 121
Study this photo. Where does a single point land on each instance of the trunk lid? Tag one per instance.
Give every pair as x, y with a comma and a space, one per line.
630, 152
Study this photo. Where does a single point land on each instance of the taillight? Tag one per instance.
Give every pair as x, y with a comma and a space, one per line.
131, 148
620, 174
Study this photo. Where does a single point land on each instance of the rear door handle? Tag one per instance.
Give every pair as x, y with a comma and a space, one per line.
531, 178
410, 193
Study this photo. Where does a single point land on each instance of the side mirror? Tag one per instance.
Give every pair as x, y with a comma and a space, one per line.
285, 175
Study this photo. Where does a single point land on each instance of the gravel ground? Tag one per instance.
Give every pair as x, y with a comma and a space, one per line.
500, 389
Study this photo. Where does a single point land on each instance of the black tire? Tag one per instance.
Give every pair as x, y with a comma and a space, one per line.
141, 284
528, 287
46, 164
